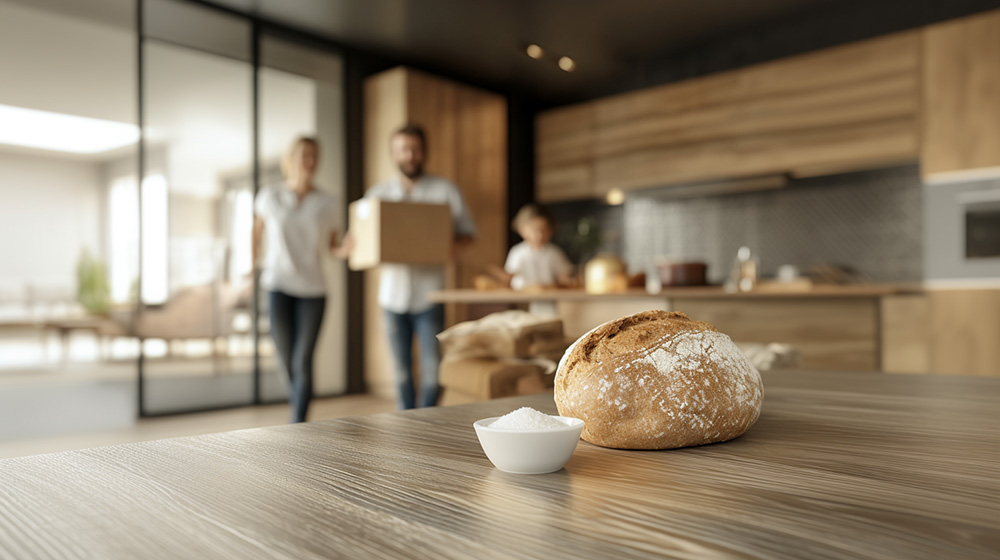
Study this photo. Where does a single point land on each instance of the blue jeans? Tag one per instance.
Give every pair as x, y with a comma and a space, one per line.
295, 324
400, 328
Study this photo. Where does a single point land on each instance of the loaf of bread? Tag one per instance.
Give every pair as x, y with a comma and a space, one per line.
658, 380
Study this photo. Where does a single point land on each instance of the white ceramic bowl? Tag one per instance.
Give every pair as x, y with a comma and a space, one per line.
529, 451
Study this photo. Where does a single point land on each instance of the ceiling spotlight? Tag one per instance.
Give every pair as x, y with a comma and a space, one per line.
534, 51
567, 64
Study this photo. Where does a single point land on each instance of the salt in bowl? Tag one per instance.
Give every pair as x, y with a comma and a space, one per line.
529, 451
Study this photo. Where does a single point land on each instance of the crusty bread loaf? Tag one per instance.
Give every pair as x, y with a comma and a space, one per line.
658, 380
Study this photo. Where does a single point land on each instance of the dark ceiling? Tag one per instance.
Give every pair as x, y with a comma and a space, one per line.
484, 40
619, 45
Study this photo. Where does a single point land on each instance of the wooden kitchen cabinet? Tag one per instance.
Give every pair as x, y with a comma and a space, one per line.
875, 327
937, 331
964, 330
850, 107
564, 150
467, 143
827, 333
905, 337
931, 94
961, 89
942, 331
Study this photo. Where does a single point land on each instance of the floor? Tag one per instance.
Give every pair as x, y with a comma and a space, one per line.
195, 424
26, 357
48, 391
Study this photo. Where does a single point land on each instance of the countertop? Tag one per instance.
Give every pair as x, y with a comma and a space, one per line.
704, 292
840, 465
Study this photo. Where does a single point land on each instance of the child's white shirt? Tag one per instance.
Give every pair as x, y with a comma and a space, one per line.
536, 267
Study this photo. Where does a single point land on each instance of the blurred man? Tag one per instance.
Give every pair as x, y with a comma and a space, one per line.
403, 288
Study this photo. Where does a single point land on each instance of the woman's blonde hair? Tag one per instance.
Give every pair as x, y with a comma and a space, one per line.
529, 212
286, 159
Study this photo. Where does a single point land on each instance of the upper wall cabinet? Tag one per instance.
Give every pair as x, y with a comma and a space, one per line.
961, 128
844, 108
564, 154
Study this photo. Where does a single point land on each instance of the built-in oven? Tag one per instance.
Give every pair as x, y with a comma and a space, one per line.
982, 223
962, 231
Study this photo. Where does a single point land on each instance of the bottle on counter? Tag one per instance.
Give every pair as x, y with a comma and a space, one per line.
654, 283
745, 271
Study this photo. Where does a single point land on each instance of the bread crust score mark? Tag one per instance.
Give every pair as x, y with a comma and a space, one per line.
658, 380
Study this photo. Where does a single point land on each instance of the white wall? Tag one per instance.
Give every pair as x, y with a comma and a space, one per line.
66, 64
50, 210
51, 207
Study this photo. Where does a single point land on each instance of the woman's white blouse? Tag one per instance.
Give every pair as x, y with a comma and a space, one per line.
297, 235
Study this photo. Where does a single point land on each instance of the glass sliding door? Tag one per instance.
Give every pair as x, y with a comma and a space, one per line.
127, 180
68, 209
197, 117
301, 94
202, 97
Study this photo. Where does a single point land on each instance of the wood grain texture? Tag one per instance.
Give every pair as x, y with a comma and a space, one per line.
828, 334
839, 466
843, 108
964, 331
564, 153
961, 97
579, 316
193, 424
756, 155
385, 111
467, 143
905, 321
694, 292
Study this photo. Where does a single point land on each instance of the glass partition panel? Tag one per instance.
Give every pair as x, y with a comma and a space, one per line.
198, 125
69, 209
301, 94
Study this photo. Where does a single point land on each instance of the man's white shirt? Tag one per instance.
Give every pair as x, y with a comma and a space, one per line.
403, 288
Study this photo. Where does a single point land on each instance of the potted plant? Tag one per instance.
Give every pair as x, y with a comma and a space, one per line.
92, 291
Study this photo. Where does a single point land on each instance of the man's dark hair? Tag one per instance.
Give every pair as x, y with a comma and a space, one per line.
415, 130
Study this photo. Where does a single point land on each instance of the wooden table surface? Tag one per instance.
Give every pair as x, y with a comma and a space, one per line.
840, 465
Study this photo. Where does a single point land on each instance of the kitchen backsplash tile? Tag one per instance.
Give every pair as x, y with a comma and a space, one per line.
870, 221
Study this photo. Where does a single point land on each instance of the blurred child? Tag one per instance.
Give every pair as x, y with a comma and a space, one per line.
535, 262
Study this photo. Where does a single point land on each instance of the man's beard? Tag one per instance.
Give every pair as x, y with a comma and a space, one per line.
412, 172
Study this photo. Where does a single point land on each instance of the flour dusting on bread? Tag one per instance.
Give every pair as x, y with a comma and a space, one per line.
658, 380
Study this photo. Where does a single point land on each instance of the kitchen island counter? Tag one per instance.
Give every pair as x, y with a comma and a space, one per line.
701, 292
865, 327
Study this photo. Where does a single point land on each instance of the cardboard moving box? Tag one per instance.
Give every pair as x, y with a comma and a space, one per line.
399, 232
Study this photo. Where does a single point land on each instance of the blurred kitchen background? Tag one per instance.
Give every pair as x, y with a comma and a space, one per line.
850, 143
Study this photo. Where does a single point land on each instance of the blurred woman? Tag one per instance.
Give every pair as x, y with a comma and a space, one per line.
296, 221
